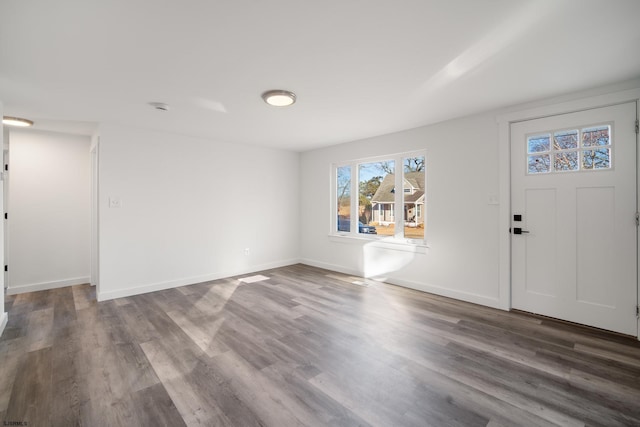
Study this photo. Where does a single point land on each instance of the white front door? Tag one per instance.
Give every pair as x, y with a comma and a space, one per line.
573, 185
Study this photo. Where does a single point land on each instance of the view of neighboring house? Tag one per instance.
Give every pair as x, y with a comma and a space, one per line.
383, 209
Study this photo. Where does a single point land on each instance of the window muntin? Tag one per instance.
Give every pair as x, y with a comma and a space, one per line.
374, 212
572, 150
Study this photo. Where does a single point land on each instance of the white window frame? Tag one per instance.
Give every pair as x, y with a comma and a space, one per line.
353, 233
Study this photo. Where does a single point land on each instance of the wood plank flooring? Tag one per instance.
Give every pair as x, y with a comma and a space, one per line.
306, 347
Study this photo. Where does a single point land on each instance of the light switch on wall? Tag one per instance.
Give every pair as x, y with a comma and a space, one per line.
115, 202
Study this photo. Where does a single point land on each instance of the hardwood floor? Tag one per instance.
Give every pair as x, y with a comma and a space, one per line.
305, 347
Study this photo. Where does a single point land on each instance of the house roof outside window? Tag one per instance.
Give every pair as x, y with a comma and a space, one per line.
412, 180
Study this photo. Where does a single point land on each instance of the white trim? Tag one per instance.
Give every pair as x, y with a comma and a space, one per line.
34, 287
581, 104
422, 287
95, 212
6, 180
637, 209
3, 322
449, 293
137, 290
391, 243
504, 219
381, 157
399, 182
504, 168
331, 267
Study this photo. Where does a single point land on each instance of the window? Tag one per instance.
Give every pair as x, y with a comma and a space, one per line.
374, 212
569, 150
344, 198
370, 177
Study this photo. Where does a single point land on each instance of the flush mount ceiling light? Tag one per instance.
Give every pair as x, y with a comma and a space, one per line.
16, 121
279, 98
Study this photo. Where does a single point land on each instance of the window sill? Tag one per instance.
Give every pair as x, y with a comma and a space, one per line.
390, 243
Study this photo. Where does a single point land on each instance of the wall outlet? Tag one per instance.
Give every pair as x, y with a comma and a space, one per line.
247, 251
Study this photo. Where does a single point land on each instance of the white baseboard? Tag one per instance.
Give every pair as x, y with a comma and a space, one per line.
424, 287
332, 267
137, 290
449, 293
34, 287
3, 322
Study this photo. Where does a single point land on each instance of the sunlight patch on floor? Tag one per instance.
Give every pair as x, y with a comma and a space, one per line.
252, 279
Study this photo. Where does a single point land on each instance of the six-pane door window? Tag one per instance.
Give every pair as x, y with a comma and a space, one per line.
588, 148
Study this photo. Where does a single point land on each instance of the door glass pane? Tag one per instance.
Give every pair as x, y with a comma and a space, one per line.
343, 192
596, 159
413, 180
376, 182
538, 143
567, 161
539, 164
593, 137
565, 140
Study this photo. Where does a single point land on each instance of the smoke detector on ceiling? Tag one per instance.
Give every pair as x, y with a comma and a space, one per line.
160, 106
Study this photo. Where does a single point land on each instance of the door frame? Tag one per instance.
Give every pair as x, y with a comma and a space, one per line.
95, 213
5, 204
504, 122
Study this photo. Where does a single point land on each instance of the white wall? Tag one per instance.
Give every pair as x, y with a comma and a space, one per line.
467, 236
189, 208
462, 227
49, 196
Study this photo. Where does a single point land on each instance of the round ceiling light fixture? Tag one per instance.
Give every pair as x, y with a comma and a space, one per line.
16, 121
279, 98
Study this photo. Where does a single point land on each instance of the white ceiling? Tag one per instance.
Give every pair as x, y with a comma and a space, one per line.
360, 68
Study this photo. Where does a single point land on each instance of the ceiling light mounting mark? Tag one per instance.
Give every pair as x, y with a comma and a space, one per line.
279, 97
160, 106
16, 121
